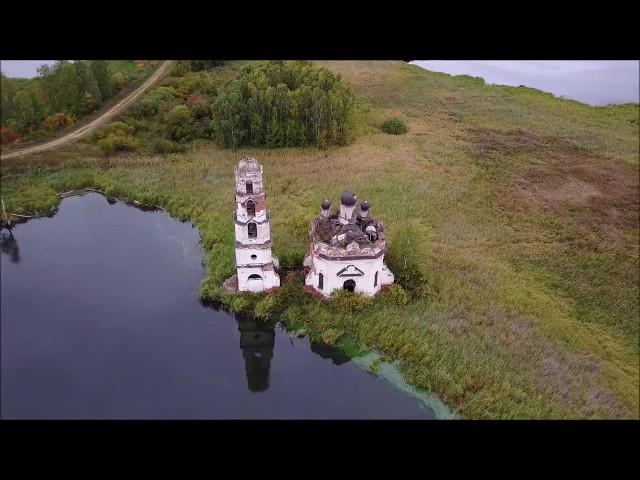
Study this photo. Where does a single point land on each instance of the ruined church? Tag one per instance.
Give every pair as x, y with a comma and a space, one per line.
346, 246
346, 249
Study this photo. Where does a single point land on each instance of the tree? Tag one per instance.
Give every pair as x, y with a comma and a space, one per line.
100, 71
280, 104
117, 82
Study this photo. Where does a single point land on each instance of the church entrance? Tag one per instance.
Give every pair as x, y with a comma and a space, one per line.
349, 285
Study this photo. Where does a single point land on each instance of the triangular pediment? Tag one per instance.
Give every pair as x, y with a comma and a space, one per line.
350, 271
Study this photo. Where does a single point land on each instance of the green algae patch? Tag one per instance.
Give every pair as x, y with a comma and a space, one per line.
373, 362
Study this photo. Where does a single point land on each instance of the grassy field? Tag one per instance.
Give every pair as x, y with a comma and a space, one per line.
523, 209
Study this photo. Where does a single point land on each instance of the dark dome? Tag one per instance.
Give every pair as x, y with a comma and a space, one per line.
348, 199
326, 204
364, 206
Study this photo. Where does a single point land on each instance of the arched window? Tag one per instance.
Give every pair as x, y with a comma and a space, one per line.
251, 208
320, 281
252, 230
375, 280
249, 187
255, 277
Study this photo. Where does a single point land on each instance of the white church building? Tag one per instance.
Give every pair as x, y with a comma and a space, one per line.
346, 250
255, 265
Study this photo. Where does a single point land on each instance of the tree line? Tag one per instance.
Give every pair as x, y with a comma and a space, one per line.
282, 104
61, 93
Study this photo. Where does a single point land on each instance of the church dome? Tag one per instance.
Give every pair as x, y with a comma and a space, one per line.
348, 199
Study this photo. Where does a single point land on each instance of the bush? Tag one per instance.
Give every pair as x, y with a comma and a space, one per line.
179, 126
164, 145
58, 121
394, 295
266, 307
394, 126
199, 105
117, 142
152, 102
115, 128
404, 260
349, 302
8, 135
117, 82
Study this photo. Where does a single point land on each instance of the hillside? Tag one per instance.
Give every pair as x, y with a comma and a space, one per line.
520, 208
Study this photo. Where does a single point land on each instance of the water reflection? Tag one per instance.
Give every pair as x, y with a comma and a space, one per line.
9, 245
329, 352
256, 342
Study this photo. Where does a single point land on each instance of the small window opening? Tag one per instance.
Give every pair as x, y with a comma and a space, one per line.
253, 257
252, 230
375, 280
249, 187
320, 281
251, 208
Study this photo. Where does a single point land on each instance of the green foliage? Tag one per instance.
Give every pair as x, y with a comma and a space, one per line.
100, 72
283, 104
72, 89
117, 142
405, 261
178, 120
349, 302
394, 126
266, 307
153, 101
58, 121
394, 295
117, 82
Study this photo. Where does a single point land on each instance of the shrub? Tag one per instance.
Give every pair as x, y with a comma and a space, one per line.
178, 122
164, 145
199, 105
394, 295
405, 261
266, 307
152, 102
8, 135
194, 82
349, 302
117, 82
115, 128
57, 121
117, 142
394, 126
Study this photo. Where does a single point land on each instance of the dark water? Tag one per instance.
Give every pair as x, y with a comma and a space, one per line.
100, 319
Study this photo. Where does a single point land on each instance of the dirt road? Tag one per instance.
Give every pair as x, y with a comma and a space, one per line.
101, 120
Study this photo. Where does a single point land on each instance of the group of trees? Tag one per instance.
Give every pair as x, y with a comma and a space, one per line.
282, 104
57, 96
265, 104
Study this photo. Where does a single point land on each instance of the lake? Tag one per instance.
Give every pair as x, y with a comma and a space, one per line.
101, 320
596, 82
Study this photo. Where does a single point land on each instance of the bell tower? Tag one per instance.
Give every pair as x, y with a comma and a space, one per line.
255, 264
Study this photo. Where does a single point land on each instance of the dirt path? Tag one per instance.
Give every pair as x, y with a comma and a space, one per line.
101, 120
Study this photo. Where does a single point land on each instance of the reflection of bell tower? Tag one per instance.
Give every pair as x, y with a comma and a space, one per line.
256, 342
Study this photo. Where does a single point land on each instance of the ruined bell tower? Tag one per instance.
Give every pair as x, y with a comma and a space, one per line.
255, 264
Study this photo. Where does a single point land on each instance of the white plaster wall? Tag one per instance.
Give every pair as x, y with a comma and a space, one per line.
241, 184
364, 284
242, 234
243, 256
346, 213
241, 213
269, 279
